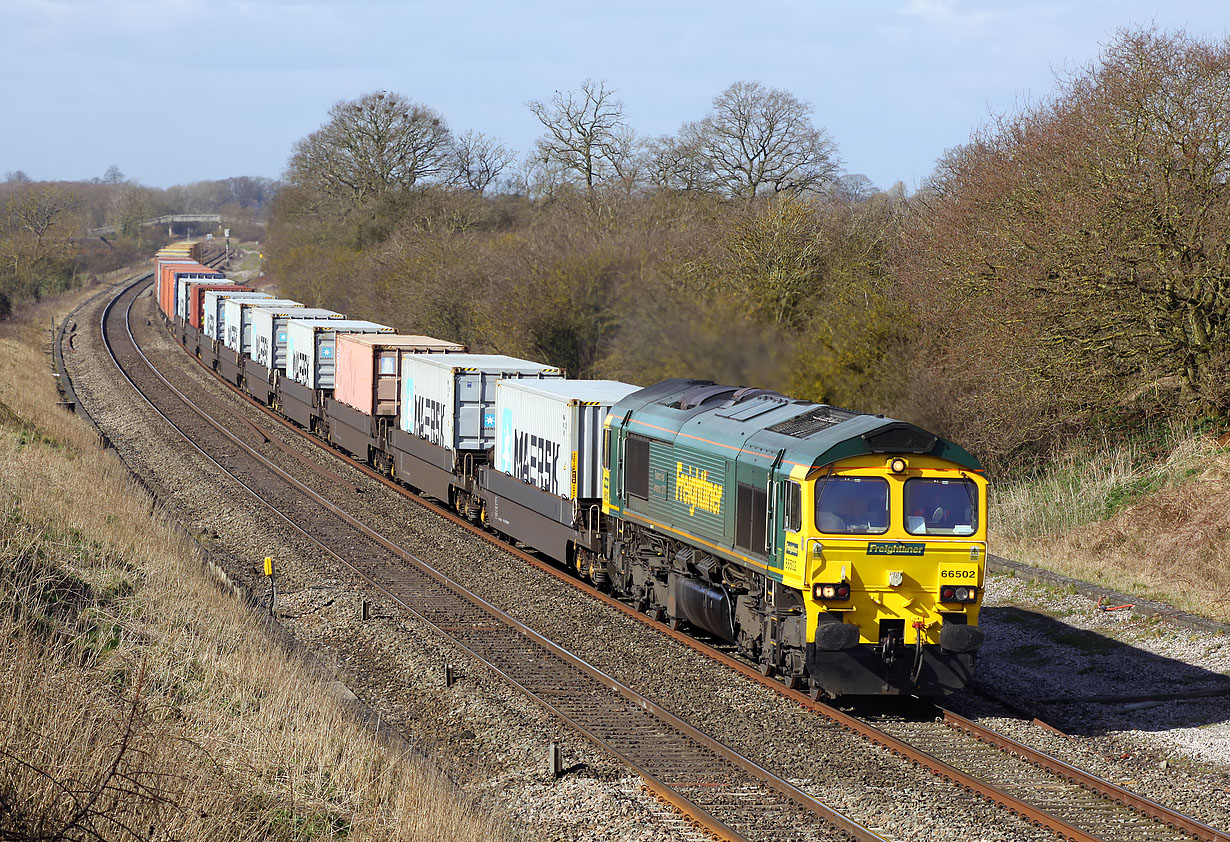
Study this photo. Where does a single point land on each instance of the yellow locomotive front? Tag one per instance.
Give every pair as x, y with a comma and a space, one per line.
890, 552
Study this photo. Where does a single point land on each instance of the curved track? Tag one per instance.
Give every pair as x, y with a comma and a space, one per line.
1046, 791
724, 792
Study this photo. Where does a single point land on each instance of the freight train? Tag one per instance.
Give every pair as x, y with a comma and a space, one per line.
843, 552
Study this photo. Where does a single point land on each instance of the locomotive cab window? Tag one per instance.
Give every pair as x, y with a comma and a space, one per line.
941, 506
852, 505
793, 506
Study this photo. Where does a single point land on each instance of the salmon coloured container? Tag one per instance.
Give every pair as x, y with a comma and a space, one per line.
368, 374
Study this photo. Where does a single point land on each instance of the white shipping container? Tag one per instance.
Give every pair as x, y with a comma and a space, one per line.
182, 300
237, 320
449, 399
269, 331
311, 348
549, 432
211, 315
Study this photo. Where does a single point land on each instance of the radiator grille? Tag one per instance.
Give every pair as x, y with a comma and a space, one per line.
812, 421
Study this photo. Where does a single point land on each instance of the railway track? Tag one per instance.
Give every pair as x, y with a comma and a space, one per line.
1072, 803
719, 789
1046, 791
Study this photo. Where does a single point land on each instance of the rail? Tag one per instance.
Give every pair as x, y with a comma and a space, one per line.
684, 766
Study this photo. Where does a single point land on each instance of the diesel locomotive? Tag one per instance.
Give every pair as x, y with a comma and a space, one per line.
842, 552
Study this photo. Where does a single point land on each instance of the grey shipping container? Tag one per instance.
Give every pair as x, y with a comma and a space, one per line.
311, 348
269, 332
449, 399
549, 432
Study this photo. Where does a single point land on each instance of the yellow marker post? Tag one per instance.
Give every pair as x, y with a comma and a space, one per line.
273, 583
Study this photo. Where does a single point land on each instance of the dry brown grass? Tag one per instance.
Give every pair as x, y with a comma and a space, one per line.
1156, 528
138, 701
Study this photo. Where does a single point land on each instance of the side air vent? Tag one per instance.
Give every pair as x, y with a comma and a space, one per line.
813, 421
900, 438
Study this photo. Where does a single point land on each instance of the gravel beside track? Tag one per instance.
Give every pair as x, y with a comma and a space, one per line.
488, 737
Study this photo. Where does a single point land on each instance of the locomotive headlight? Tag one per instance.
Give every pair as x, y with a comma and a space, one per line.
954, 593
898, 465
834, 590
895, 578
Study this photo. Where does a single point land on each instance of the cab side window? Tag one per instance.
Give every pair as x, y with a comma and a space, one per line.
793, 506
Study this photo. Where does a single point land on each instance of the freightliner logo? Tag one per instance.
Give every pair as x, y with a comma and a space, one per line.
895, 548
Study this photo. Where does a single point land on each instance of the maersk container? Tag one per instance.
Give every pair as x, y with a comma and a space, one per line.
311, 347
369, 368
237, 320
269, 331
215, 299
183, 294
549, 432
449, 399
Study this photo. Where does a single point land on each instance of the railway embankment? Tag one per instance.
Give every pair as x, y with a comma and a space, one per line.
1037, 658
140, 700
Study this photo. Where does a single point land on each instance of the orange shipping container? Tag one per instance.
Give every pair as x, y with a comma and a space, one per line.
161, 266
176, 272
368, 375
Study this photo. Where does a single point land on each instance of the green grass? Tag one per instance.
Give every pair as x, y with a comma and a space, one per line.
1095, 483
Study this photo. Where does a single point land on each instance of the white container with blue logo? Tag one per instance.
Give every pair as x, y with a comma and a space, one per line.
269, 331
449, 399
237, 320
212, 309
311, 348
549, 432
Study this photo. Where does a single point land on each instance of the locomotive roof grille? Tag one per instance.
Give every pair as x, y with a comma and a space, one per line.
813, 421
900, 438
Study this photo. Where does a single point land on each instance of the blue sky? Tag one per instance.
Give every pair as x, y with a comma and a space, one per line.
182, 90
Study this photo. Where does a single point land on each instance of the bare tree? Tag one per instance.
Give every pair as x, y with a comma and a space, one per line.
372, 145
758, 140
113, 175
674, 164
586, 133
479, 160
